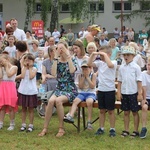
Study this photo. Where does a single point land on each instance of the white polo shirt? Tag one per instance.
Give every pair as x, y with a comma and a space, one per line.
106, 76
129, 74
146, 83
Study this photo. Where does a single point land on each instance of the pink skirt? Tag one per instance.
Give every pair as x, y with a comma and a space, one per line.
8, 95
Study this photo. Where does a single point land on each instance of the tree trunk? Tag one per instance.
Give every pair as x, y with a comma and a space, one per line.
54, 15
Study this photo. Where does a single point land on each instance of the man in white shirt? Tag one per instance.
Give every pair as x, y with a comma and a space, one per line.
18, 33
47, 33
56, 35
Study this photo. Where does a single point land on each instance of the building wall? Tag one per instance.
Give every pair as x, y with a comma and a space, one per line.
106, 19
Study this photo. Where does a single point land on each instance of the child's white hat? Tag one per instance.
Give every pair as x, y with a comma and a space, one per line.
128, 50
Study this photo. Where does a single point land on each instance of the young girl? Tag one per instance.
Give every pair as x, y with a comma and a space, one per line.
8, 93
27, 92
11, 49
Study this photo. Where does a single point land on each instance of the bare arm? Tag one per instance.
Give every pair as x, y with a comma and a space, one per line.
32, 73
23, 71
140, 97
92, 82
71, 65
91, 59
11, 71
1, 73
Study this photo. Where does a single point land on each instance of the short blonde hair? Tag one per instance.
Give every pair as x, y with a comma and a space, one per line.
91, 44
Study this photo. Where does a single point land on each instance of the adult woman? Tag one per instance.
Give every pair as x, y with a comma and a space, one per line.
29, 39
35, 48
48, 79
64, 67
80, 55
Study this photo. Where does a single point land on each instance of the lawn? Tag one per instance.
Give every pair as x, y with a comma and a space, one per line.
85, 140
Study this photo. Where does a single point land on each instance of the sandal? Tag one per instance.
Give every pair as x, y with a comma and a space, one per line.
61, 132
30, 129
43, 133
134, 134
124, 133
22, 128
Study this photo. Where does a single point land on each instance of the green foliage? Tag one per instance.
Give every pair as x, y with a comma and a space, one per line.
29, 9
45, 6
145, 4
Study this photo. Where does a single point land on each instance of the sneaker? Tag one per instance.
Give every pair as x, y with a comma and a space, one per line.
99, 131
112, 133
143, 133
11, 127
89, 126
68, 119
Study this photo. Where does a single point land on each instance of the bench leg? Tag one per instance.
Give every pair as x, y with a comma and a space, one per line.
83, 115
78, 120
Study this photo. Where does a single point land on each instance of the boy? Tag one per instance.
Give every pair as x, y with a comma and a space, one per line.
129, 89
146, 98
106, 87
87, 92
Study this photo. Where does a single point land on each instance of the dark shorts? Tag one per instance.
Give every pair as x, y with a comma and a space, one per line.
129, 102
148, 100
38, 76
106, 100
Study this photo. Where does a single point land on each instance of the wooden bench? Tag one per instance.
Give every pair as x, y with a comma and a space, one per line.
83, 105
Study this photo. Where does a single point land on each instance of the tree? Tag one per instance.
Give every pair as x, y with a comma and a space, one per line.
143, 12
30, 4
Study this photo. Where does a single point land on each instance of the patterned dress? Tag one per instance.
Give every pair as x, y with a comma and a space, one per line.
66, 85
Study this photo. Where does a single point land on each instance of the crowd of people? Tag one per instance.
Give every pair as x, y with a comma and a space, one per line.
82, 69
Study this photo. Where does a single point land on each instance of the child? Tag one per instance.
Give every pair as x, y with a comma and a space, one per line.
8, 93
106, 87
87, 92
129, 89
27, 91
146, 97
39, 61
11, 49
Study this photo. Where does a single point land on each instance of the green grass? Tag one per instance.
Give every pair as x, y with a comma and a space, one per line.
85, 140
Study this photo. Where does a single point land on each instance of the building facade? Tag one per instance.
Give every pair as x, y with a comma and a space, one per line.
106, 18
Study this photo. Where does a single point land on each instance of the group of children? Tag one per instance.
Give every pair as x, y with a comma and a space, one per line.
133, 86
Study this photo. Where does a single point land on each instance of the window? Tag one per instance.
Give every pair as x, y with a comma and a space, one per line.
38, 7
96, 7
1, 7
145, 6
126, 6
65, 8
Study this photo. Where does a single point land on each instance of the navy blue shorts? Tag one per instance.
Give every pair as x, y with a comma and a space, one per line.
129, 102
106, 100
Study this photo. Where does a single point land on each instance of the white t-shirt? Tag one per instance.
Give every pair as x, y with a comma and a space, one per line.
129, 74
146, 83
20, 35
28, 86
106, 75
56, 35
11, 51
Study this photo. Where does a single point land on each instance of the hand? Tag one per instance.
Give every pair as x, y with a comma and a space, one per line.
44, 79
139, 97
143, 102
119, 96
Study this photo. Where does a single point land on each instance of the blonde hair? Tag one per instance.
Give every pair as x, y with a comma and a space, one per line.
61, 41
91, 44
133, 44
113, 39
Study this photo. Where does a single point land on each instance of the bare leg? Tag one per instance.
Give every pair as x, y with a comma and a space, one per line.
60, 110
31, 115
102, 117
126, 120
2, 115
89, 103
144, 115
76, 101
136, 120
24, 114
111, 118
